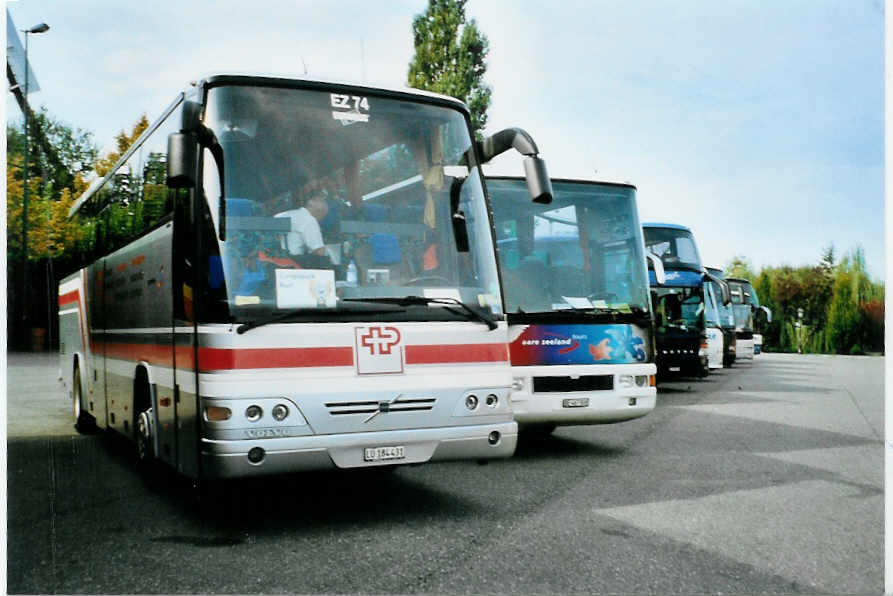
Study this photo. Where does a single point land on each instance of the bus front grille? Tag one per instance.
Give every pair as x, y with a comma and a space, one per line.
564, 384
399, 404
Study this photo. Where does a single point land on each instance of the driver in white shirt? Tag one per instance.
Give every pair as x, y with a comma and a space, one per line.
305, 236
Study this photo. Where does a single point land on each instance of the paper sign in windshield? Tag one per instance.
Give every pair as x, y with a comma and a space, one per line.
305, 288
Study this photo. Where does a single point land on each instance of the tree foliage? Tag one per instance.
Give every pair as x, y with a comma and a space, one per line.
739, 267
449, 57
842, 308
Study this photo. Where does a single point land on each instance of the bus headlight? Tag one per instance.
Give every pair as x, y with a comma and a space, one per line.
253, 413
471, 402
641, 380
492, 400
517, 383
625, 380
279, 412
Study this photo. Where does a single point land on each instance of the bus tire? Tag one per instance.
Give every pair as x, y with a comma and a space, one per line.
151, 468
84, 423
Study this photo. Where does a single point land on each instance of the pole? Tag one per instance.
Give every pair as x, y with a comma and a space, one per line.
24, 297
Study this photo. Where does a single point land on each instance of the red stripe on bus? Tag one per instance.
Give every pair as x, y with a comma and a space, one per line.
448, 354
214, 359
72, 296
227, 359
151, 353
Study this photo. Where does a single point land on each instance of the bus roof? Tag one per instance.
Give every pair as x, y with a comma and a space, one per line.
489, 174
739, 280
665, 225
274, 79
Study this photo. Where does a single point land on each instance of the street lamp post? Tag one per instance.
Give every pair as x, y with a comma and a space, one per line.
799, 330
39, 28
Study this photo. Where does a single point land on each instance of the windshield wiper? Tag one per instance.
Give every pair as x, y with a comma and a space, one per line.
413, 300
295, 312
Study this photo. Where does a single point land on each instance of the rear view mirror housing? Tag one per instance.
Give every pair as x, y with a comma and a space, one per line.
538, 182
723, 287
659, 274
182, 157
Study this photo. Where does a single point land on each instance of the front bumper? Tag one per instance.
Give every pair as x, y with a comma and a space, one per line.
604, 407
229, 459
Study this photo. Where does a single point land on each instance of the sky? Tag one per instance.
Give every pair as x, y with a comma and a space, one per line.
758, 124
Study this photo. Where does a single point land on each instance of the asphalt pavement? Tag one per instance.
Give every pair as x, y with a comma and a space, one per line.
765, 478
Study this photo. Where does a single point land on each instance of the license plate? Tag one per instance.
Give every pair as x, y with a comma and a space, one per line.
384, 453
675, 368
575, 402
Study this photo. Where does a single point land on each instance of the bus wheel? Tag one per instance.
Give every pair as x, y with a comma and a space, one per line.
144, 436
152, 470
83, 422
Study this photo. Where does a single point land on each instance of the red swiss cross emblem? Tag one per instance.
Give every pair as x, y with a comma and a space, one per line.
379, 350
380, 340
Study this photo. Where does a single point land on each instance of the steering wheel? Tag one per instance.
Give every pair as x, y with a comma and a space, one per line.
414, 281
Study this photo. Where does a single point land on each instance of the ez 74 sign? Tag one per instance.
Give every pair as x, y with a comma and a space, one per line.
346, 102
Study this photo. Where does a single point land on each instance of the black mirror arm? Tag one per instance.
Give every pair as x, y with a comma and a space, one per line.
460, 229
207, 138
506, 139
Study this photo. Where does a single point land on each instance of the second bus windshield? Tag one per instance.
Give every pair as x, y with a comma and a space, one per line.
584, 250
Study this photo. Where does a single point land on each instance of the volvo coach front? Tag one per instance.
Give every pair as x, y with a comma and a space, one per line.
576, 293
328, 281
387, 343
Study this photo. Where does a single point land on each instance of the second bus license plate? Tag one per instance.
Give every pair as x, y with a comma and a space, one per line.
575, 402
384, 453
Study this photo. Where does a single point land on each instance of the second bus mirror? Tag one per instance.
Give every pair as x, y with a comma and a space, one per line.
538, 182
182, 156
659, 275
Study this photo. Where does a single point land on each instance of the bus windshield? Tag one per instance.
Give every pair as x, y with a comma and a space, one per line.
335, 194
584, 250
675, 247
726, 317
711, 306
679, 308
742, 299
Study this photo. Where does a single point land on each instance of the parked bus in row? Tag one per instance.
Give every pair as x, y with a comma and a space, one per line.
713, 325
293, 274
745, 305
576, 292
679, 303
726, 316
680, 329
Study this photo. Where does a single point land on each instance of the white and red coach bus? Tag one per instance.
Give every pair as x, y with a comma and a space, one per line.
292, 275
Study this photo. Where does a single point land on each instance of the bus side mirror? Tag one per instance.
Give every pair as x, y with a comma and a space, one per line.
723, 287
538, 182
182, 157
659, 275
768, 312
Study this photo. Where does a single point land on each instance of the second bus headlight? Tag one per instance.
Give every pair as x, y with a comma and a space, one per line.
279, 412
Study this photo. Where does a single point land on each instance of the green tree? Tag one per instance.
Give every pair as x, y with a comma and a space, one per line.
67, 152
739, 267
449, 57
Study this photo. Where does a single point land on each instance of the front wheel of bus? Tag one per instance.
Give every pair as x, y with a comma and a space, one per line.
83, 422
151, 468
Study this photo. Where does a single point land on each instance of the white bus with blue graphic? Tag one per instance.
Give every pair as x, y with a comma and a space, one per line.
576, 291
